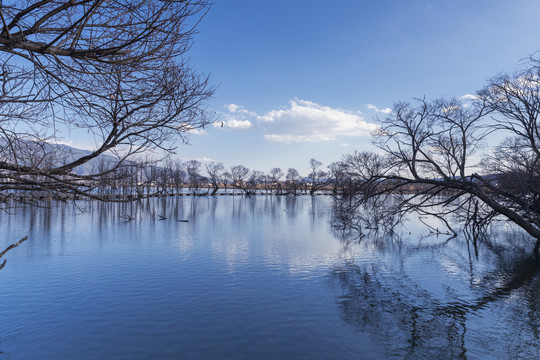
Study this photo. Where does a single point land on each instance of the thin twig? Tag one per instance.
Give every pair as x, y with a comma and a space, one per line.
10, 247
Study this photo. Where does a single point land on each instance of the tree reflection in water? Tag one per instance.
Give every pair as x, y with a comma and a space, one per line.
435, 297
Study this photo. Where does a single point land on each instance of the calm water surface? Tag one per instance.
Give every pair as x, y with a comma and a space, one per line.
259, 278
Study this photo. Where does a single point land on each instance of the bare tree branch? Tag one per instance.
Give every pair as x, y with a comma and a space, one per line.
115, 72
427, 150
11, 247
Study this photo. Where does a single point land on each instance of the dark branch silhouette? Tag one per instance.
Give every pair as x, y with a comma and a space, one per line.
430, 150
116, 72
11, 247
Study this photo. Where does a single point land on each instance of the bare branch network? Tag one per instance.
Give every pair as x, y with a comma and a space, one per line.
115, 71
433, 148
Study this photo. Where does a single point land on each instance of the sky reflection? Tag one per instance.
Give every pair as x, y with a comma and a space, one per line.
266, 277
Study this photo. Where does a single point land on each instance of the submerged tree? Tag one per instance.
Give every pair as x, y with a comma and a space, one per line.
215, 175
194, 177
317, 177
244, 179
274, 176
113, 71
338, 176
293, 178
433, 148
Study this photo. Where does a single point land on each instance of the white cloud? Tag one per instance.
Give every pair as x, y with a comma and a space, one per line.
238, 124
290, 138
198, 132
384, 111
239, 109
469, 97
265, 118
238, 121
232, 107
231, 123
306, 121
195, 131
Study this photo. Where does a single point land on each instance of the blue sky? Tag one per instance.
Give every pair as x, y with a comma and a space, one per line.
302, 79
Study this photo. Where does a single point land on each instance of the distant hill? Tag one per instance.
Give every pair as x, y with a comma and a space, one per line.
44, 154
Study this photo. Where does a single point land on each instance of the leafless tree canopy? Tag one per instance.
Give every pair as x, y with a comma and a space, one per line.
440, 147
115, 71
215, 175
318, 178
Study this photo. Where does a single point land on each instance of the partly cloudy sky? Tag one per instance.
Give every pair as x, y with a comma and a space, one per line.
306, 121
300, 121
376, 109
235, 118
312, 81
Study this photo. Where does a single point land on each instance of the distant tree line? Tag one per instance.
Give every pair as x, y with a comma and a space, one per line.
144, 178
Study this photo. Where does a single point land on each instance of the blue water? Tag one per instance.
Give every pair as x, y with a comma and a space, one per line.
254, 278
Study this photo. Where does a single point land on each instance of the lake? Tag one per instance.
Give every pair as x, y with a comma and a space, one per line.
266, 277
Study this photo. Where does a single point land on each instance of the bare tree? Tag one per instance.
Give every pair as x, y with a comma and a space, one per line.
317, 178
179, 176
266, 183
293, 178
194, 177
226, 178
359, 168
165, 177
215, 175
114, 71
337, 176
256, 178
275, 175
242, 179
429, 150
150, 174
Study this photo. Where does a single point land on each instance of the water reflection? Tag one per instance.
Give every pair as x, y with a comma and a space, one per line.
235, 273
235, 227
431, 298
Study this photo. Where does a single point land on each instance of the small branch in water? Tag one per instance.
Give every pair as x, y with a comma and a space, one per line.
127, 217
435, 230
10, 247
